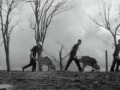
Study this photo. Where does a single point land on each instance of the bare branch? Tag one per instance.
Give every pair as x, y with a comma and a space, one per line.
50, 5
53, 57
97, 23
117, 28
66, 56
13, 27
62, 11
5, 10
32, 6
60, 53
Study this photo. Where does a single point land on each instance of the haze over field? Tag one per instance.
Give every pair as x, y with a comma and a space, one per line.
65, 28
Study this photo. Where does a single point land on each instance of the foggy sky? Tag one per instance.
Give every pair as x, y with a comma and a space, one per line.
65, 28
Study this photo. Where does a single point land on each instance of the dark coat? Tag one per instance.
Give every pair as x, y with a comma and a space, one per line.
116, 52
74, 49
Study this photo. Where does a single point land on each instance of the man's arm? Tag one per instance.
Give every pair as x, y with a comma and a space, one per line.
31, 55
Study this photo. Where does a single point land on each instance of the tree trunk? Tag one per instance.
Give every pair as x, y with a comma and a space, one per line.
39, 54
61, 66
6, 47
7, 59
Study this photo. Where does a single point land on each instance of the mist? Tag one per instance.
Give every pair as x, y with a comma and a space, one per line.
65, 28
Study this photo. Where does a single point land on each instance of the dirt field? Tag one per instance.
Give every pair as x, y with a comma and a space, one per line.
61, 80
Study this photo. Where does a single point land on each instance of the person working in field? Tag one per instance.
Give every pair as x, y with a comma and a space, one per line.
73, 56
116, 58
34, 51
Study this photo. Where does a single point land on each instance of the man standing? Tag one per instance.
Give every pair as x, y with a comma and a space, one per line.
116, 58
34, 52
73, 56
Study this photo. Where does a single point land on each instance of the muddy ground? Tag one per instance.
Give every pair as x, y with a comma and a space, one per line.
61, 80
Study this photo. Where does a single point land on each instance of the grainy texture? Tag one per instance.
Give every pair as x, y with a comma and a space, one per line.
61, 80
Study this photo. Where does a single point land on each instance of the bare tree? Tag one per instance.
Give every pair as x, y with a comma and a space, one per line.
61, 57
6, 8
44, 11
106, 21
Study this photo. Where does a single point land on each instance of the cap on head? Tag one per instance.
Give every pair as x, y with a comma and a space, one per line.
40, 43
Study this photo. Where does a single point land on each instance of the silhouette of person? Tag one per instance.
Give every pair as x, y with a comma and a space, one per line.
33, 54
73, 56
116, 58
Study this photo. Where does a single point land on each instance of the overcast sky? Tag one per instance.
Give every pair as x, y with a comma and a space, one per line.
65, 28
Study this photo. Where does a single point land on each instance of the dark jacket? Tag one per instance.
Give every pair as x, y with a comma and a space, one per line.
35, 49
116, 52
74, 49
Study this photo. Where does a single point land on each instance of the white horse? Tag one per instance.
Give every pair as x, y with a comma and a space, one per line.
45, 61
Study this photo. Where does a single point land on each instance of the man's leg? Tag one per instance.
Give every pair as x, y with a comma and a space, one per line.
78, 65
118, 64
34, 67
23, 68
33, 62
117, 67
68, 63
113, 65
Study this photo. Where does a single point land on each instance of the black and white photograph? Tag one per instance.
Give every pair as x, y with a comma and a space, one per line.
59, 45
